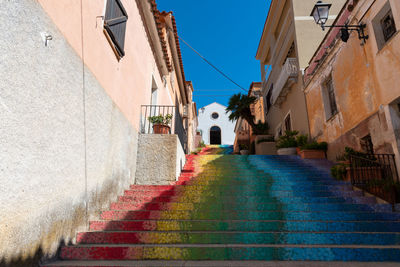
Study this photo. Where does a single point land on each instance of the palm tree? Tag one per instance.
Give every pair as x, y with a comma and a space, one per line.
239, 106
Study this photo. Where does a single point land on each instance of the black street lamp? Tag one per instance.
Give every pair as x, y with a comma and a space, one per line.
320, 13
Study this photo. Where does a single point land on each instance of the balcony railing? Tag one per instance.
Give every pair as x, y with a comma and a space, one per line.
376, 174
176, 124
286, 79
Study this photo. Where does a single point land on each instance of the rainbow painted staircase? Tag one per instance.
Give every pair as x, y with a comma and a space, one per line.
238, 208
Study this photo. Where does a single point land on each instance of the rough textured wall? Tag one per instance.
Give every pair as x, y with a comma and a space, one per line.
160, 160
45, 192
365, 81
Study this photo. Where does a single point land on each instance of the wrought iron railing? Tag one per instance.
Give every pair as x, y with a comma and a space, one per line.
377, 174
175, 124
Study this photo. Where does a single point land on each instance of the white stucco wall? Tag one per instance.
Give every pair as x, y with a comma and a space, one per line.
206, 122
66, 150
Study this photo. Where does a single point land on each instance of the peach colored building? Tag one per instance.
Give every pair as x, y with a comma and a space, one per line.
352, 89
243, 131
75, 76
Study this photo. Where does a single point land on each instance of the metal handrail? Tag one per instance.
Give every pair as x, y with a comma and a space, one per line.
376, 174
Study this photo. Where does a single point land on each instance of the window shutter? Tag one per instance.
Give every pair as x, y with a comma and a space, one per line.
115, 24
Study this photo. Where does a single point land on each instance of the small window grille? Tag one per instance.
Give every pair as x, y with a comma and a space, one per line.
332, 97
115, 24
388, 26
366, 144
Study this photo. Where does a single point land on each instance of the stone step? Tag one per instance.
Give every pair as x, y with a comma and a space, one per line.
208, 263
220, 206
285, 238
236, 188
250, 215
227, 252
276, 194
248, 200
249, 226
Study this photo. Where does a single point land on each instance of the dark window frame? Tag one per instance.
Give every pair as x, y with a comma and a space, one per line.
330, 92
268, 99
366, 144
388, 29
115, 20
288, 123
214, 117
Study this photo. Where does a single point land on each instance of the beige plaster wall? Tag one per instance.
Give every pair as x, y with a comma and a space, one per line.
308, 33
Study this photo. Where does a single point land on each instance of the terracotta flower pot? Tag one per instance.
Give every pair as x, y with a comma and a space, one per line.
312, 154
161, 129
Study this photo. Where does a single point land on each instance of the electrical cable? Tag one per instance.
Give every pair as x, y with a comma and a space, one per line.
212, 65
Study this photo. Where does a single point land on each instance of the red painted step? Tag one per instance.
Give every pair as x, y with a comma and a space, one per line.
123, 225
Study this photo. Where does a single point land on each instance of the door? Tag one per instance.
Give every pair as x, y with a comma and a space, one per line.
215, 135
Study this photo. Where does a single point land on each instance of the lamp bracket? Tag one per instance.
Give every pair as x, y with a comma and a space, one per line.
359, 28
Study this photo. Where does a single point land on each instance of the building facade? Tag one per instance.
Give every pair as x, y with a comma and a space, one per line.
243, 131
75, 75
288, 41
215, 126
352, 88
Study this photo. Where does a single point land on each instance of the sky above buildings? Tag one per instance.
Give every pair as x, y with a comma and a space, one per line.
227, 33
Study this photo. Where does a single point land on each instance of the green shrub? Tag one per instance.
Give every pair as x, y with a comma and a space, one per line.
315, 146
261, 128
243, 147
160, 119
268, 139
287, 140
302, 139
339, 171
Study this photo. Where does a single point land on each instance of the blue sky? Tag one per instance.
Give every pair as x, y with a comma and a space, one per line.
227, 33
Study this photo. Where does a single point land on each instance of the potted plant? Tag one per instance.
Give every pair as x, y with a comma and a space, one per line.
287, 143
161, 123
314, 150
244, 149
301, 139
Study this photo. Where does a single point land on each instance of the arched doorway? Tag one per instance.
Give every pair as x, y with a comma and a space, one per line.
215, 135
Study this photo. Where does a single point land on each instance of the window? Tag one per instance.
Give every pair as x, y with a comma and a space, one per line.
278, 131
215, 115
269, 98
288, 123
384, 25
115, 25
388, 27
329, 99
366, 144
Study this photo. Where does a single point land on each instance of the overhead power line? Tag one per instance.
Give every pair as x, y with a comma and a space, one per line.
212, 65
210, 95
